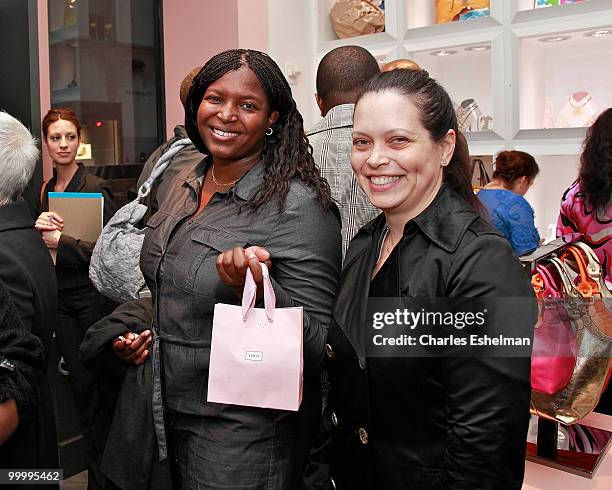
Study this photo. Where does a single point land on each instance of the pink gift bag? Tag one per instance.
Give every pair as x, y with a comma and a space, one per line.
256, 353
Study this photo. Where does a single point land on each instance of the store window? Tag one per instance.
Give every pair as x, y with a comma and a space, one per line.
105, 64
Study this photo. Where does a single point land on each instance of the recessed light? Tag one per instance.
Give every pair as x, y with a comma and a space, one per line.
482, 47
554, 39
598, 33
443, 52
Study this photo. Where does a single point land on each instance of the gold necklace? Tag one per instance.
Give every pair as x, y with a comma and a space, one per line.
220, 184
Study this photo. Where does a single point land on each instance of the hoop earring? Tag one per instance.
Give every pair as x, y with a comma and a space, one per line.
269, 132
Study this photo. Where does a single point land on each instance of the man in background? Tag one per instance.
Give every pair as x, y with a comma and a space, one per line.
340, 77
188, 156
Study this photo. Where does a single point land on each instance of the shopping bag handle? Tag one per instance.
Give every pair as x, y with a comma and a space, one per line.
249, 294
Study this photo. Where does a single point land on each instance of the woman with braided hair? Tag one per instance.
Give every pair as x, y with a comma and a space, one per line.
256, 197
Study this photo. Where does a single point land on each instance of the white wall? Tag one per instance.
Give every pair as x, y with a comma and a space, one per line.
291, 40
556, 175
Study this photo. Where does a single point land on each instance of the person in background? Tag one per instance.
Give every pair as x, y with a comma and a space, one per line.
22, 363
507, 209
341, 74
188, 156
258, 186
422, 419
586, 206
79, 304
26, 271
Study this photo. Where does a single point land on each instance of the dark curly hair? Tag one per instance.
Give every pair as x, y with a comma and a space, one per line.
437, 115
286, 153
596, 163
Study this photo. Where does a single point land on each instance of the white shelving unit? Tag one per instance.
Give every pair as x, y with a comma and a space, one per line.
511, 81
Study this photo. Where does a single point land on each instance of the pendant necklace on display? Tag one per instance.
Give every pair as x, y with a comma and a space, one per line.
578, 103
221, 184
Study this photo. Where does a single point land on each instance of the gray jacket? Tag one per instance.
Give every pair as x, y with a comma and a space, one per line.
178, 263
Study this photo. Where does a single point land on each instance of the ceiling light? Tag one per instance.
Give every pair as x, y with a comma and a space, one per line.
554, 39
482, 47
443, 52
599, 33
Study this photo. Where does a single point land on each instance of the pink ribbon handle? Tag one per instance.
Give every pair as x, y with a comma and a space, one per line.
249, 294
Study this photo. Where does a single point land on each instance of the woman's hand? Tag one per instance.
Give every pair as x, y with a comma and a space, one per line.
51, 238
49, 221
232, 266
133, 348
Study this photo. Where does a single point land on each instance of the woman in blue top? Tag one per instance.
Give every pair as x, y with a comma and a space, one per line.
507, 209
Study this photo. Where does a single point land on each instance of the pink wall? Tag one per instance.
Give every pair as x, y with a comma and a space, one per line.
253, 24
194, 30
45, 80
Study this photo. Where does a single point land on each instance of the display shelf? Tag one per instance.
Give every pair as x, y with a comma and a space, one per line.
525, 8
564, 83
475, 66
420, 19
64, 34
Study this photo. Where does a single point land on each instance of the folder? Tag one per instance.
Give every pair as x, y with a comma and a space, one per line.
82, 212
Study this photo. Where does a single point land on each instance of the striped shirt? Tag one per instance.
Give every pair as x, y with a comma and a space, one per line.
331, 140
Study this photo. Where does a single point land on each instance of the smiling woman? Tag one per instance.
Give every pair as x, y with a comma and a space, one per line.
256, 197
460, 420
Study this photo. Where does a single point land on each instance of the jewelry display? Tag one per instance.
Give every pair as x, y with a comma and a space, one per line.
579, 111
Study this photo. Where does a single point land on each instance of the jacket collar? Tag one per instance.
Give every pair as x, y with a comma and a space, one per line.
15, 215
245, 188
340, 116
76, 183
444, 221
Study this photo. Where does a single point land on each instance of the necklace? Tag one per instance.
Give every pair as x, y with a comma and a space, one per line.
220, 184
582, 101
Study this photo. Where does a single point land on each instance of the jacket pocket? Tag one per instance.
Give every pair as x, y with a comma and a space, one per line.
152, 246
195, 268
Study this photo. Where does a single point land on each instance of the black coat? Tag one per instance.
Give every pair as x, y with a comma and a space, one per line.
427, 422
27, 272
21, 364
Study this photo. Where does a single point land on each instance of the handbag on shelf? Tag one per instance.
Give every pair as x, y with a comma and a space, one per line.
480, 174
114, 269
451, 10
575, 317
256, 354
352, 18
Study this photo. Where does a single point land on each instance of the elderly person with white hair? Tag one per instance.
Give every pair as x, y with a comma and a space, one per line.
26, 270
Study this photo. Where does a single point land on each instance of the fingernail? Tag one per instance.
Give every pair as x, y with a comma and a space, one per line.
251, 255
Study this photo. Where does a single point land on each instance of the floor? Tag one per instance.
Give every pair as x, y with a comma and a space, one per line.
76, 482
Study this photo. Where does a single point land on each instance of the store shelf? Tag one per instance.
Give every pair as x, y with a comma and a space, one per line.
72, 94
524, 11
557, 141
70, 33
590, 14
550, 72
378, 39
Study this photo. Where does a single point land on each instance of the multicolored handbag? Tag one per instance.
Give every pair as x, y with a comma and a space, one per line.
451, 10
575, 324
